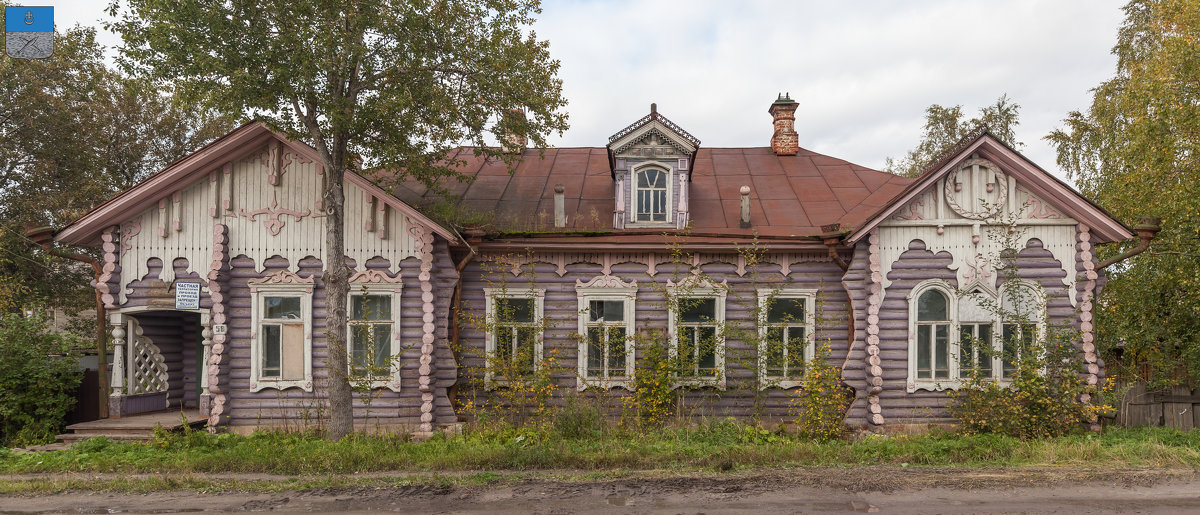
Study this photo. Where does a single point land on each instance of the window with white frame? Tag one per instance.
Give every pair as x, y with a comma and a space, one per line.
697, 336
786, 335
651, 195
514, 332
373, 334
281, 353
1022, 308
954, 337
606, 328
932, 343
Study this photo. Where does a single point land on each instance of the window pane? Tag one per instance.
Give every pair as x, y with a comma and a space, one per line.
383, 347
360, 346
515, 310
931, 306
1011, 349
924, 340
616, 351
707, 350
643, 178
371, 307
942, 352
281, 307
786, 310
687, 350
606, 310
660, 206
643, 210
697, 309
796, 343
774, 351
985, 352
526, 340
966, 346
271, 340
595, 350
291, 352
504, 345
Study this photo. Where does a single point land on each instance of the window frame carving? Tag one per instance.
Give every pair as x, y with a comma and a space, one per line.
258, 294
490, 295
357, 289
809, 323
611, 290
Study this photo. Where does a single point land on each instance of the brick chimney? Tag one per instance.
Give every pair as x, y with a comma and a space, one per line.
785, 141
514, 141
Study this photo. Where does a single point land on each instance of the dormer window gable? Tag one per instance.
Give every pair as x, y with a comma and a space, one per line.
651, 162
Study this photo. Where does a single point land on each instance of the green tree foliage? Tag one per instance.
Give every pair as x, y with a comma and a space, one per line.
945, 126
1136, 151
72, 133
38, 378
395, 83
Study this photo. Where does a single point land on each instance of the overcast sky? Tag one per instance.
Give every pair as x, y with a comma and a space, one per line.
863, 72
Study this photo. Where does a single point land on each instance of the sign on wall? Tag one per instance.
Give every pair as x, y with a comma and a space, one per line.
187, 295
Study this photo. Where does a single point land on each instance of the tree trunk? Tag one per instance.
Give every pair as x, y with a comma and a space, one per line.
341, 409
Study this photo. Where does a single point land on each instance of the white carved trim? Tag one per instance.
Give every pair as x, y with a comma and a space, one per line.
372, 276
810, 333
606, 282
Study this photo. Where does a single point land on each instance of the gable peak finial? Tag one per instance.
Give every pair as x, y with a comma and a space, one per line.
653, 108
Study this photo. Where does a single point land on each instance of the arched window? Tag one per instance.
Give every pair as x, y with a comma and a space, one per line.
933, 335
650, 197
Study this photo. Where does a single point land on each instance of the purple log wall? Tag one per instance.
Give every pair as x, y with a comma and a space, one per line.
741, 398
296, 409
854, 372
1033, 263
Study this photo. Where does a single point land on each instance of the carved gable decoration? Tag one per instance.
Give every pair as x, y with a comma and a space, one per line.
652, 136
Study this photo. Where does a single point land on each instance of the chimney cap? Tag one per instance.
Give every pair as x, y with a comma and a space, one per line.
785, 98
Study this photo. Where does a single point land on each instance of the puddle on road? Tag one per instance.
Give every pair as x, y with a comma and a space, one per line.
618, 500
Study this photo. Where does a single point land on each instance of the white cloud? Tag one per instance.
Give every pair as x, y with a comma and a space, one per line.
862, 71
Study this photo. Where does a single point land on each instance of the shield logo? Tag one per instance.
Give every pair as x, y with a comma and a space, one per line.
28, 31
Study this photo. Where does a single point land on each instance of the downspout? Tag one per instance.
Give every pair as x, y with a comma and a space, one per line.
832, 237
456, 305
44, 236
1146, 230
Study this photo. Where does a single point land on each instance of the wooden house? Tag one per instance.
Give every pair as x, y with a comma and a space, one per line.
738, 260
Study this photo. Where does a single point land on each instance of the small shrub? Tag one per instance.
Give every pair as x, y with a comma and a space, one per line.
653, 399
1043, 399
821, 402
38, 377
579, 418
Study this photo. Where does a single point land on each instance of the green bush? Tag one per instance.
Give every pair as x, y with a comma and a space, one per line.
820, 405
38, 377
1043, 399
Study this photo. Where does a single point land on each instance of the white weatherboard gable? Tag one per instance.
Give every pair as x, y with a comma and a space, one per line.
949, 217
272, 208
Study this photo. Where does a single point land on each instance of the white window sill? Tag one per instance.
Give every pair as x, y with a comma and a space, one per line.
279, 384
392, 384
605, 384
700, 382
947, 384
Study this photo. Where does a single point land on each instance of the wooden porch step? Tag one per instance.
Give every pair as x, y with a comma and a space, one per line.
134, 427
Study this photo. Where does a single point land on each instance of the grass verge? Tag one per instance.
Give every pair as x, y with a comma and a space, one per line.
719, 445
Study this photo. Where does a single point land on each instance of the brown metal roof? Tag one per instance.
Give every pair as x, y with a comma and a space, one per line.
789, 195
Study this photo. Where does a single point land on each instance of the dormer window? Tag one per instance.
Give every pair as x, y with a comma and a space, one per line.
651, 195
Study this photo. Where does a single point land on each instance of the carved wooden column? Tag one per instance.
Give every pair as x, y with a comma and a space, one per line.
206, 333
117, 383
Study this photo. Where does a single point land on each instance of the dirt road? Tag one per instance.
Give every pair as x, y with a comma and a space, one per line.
862, 489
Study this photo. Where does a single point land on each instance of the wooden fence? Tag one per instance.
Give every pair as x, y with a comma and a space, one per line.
1178, 407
